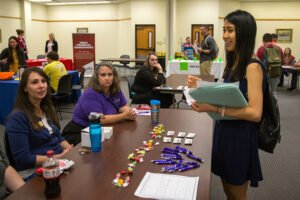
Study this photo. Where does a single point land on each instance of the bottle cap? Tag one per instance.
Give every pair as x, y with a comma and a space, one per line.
154, 102
50, 153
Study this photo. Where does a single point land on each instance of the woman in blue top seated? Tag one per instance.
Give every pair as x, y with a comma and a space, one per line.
32, 127
103, 95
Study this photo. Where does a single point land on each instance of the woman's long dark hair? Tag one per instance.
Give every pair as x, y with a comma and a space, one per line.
10, 58
245, 29
23, 103
94, 83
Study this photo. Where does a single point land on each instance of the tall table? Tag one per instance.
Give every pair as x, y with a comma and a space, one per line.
123, 60
92, 175
40, 62
9, 89
193, 67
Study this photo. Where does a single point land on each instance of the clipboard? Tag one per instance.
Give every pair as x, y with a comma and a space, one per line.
226, 94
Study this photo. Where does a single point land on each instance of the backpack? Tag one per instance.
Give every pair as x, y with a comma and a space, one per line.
268, 129
215, 52
273, 61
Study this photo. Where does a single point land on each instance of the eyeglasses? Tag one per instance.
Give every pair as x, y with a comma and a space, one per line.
103, 75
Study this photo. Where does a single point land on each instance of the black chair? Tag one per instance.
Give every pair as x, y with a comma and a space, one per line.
64, 92
41, 56
81, 81
140, 64
123, 64
130, 81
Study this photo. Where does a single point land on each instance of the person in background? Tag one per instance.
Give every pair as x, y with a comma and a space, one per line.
207, 46
288, 59
235, 155
22, 42
148, 77
103, 95
294, 77
51, 44
33, 127
54, 69
9, 179
187, 49
268, 43
12, 57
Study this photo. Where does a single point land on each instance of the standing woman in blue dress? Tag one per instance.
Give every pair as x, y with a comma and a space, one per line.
235, 155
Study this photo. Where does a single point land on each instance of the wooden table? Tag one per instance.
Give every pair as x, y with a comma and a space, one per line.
91, 177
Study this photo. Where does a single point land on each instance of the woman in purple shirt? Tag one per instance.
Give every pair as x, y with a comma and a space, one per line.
103, 95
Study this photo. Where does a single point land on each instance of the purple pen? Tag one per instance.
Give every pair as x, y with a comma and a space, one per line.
190, 165
161, 162
195, 158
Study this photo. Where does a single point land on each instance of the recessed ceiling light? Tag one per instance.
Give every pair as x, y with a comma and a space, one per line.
77, 3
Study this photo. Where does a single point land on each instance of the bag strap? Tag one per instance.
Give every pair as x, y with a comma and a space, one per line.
108, 100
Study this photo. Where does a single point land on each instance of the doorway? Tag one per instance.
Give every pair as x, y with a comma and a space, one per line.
144, 39
196, 33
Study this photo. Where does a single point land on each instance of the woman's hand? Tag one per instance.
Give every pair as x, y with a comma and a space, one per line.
3, 61
203, 107
159, 68
192, 81
65, 151
130, 114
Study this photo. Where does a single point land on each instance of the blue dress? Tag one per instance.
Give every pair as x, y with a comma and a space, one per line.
235, 150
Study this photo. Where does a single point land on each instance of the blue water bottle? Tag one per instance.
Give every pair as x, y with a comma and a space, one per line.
95, 132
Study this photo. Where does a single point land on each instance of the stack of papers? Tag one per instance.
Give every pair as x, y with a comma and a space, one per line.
166, 186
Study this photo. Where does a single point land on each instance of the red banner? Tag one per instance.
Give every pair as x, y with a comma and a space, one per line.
84, 51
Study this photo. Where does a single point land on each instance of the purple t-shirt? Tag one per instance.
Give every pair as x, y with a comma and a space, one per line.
93, 101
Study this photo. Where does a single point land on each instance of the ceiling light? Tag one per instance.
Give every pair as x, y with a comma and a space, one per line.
78, 3
40, 1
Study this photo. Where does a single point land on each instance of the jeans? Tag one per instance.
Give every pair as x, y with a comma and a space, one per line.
273, 82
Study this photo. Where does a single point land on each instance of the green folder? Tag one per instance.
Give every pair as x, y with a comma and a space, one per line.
225, 94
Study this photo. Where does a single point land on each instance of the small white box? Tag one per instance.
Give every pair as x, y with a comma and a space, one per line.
85, 135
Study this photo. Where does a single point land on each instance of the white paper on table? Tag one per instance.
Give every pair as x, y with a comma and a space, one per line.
188, 97
166, 186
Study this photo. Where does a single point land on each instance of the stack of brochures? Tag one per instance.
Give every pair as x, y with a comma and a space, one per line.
219, 94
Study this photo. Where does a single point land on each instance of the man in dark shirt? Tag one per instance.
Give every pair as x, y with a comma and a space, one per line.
207, 48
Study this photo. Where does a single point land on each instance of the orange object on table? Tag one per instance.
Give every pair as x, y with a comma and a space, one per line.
6, 75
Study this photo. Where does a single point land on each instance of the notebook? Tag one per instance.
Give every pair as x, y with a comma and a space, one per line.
225, 94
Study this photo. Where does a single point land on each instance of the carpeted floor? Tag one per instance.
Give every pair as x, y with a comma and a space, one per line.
281, 170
